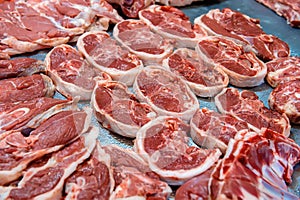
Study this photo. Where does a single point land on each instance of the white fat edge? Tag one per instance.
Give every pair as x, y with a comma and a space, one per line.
4, 115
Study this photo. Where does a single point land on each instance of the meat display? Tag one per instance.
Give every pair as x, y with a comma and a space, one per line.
104, 53
163, 143
137, 37
172, 23
283, 69
118, 110
245, 30
165, 92
246, 106
243, 68
289, 9
204, 79
71, 73
285, 98
131, 8
25, 88
211, 129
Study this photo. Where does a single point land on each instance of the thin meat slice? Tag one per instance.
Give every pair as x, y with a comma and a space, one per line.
243, 68
289, 9
104, 53
204, 79
47, 181
71, 73
246, 106
172, 23
244, 30
163, 143
137, 37
283, 69
20, 67
211, 129
131, 8
249, 172
165, 92
118, 110
17, 149
285, 98
25, 88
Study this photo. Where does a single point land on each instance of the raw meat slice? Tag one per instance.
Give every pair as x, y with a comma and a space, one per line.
176, 2
172, 23
71, 73
246, 106
165, 92
243, 68
283, 69
245, 30
136, 36
17, 149
25, 88
204, 79
285, 98
248, 172
131, 8
213, 130
92, 179
163, 143
103, 52
47, 181
289, 9
20, 67
118, 110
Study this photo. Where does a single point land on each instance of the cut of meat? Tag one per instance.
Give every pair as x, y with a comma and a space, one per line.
104, 53
165, 92
17, 149
246, 106
71, 73
136, 36
25, 88
285, 98
176, 2
204, 79
172, 23
47, 181
213, 130
283, 69
118, 110
244, 30
20, 67
290, 9
163, 143
243, 68
131, 8
92, 179
248, 172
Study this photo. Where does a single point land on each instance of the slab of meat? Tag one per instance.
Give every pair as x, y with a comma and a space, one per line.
289, 9
134, 179
25, 88
17, 149
163, 143
71, 73
118, 110
256, 166
46, 181
285, 98
176, 2
165, 92
92, 179
104, 53
20, 67
246, 106
131, 8
211, 129
243, 68
172, 23
244, 30
283, 69
204, 79
136, 36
